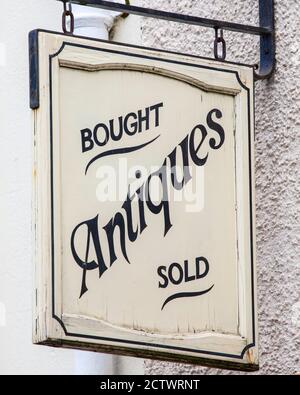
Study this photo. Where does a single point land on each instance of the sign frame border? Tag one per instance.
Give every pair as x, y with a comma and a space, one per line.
127, 350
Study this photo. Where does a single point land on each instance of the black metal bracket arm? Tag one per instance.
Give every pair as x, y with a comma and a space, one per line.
266, 28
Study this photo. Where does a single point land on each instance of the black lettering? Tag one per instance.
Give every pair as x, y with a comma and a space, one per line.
131, 130
164, 203
144, 119
141, 203
116, 221
86, 140
156, 108
171, 273
187, 278
106, 136
216, 127
128, 229
193, 150
114, 136
92, 233
185, 162
160, 271
198, 268
127, 206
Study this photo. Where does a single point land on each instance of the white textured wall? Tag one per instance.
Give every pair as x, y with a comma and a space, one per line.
277, 165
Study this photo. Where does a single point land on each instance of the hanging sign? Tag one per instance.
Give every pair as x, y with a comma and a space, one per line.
144, 202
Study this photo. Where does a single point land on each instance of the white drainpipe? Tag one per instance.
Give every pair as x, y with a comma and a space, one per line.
95, 23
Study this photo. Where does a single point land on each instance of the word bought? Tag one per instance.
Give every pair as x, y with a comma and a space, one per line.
130, 124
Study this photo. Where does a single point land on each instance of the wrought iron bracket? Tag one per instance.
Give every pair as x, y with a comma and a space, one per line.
266, 28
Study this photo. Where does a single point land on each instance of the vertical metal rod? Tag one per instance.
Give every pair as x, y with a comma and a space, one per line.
267, 41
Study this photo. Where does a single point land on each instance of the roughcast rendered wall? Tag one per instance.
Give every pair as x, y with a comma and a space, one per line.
277, 166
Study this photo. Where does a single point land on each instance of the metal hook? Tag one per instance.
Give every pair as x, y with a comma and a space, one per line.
68, 13
219, 39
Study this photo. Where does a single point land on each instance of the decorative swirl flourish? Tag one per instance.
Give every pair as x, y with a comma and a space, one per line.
185, 295
118, 151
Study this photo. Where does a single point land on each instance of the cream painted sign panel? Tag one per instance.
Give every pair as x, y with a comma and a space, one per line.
144, 202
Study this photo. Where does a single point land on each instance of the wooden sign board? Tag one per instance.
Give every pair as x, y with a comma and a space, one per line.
144, 202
